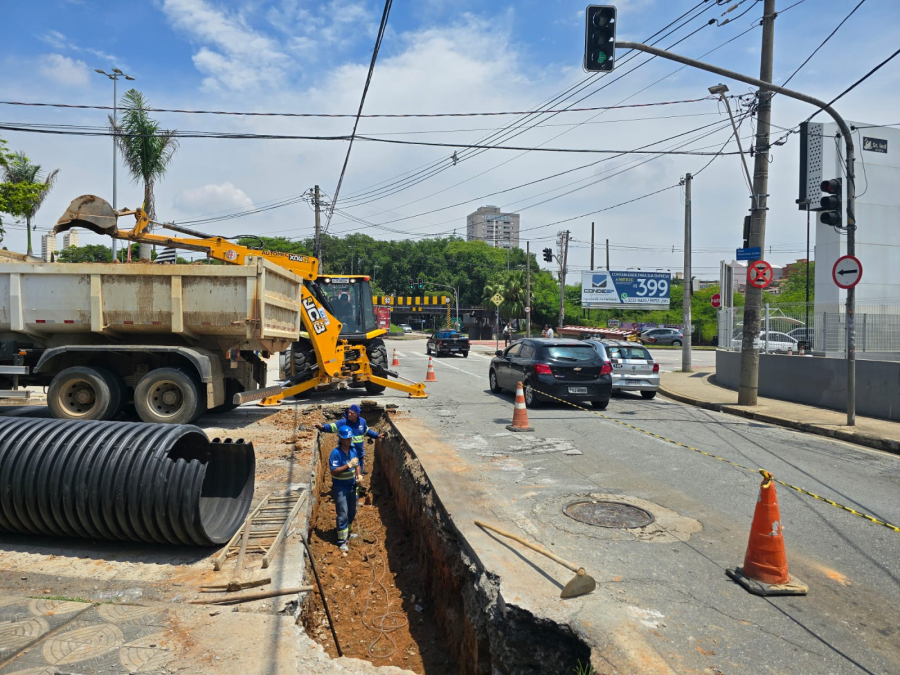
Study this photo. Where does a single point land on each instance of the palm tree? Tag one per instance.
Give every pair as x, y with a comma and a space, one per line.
20, 170
513, 292
146, 149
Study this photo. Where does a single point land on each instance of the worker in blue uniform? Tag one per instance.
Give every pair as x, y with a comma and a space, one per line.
345, 472
361, 430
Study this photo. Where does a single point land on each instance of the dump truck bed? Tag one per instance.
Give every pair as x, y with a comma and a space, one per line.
255, 306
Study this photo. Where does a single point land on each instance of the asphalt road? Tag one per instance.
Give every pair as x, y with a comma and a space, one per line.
672, 579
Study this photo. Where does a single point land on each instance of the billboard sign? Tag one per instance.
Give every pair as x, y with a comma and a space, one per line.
625, 290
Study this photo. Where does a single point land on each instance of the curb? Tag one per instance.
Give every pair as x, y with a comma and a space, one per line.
866, 440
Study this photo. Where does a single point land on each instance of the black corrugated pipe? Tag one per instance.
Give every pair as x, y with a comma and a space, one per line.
159, 483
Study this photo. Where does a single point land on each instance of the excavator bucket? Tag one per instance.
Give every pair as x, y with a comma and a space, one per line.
88, 212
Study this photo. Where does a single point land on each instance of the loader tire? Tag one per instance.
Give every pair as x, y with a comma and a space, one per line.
303, 358
378, 359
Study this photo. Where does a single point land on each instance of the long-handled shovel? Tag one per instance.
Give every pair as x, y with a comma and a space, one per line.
580, 584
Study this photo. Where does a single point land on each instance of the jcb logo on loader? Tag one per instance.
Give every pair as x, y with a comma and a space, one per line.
316, 318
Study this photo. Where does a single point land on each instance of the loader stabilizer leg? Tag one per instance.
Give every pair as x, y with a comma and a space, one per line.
275, 399
416, 390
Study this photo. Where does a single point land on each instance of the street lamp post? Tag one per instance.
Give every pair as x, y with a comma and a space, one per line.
114, 76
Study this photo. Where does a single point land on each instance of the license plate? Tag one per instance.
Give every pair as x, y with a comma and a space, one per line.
577, 390
454, 349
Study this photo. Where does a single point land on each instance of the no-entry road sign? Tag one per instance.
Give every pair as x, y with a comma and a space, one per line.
847, 271
716, 300
760, 274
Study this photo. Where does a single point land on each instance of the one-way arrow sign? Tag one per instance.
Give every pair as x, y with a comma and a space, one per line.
847, 271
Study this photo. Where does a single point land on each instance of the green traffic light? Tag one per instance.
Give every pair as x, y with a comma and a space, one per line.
601, 57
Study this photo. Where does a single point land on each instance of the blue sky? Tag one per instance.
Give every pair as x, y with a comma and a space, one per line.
438, 56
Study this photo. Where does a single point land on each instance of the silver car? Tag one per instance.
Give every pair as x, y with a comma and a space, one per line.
633, 368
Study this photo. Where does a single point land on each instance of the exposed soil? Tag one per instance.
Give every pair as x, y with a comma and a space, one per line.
377, 584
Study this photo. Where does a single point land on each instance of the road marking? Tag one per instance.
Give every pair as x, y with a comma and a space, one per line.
441, 363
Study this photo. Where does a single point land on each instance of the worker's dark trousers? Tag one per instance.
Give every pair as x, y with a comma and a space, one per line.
345, 507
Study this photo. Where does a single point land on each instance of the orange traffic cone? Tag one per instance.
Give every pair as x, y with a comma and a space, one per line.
396, 361
429, 376
765, 570
520, 413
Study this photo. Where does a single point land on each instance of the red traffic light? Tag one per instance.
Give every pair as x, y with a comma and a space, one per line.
832, 187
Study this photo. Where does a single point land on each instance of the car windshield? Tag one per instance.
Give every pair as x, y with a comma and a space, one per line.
628, 353
569, 352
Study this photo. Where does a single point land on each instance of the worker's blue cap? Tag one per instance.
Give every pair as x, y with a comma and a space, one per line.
344, 431
354, 408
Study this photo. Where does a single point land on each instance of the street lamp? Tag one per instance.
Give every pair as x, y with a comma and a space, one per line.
114, 76
720, 90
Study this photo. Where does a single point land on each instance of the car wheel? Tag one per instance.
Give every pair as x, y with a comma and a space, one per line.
676, 343
531, 400
492, 379
465, 355
428, 350
600, 405
648, 394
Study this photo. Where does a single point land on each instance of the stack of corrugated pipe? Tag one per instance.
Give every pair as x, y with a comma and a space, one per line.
155, 483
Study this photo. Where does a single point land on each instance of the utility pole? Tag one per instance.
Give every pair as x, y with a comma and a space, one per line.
749, 382
317, 244
592, 247
607, 255
564, 253
528, 288
686, 291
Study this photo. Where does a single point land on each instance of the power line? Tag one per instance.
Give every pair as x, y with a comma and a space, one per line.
362, 100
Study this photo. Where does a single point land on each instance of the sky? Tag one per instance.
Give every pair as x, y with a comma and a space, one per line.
438, 56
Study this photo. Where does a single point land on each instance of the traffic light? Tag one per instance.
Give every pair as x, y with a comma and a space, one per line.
746, 231
548, 255
600, 38
831, 202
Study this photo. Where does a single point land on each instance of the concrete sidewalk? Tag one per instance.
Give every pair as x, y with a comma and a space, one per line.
700, 389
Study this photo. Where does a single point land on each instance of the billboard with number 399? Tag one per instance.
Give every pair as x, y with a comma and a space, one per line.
631, 289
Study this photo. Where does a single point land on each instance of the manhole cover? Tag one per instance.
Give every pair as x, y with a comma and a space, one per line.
608, 514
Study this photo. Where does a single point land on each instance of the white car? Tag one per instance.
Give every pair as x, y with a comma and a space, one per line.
777, 342
406, 327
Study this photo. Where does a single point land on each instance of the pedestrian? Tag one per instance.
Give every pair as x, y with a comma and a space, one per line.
507, 336
360, 429
345, 472
549, 332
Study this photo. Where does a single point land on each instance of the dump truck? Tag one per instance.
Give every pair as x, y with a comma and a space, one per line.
181, 340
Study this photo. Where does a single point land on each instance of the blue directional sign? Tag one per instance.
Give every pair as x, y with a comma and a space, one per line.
629, 289
749, 253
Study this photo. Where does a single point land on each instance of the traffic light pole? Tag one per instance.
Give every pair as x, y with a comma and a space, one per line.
528, 288
851, 187
687, 333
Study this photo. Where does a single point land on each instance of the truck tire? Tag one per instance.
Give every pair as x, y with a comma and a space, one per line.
168, 396
378, 359
85, 393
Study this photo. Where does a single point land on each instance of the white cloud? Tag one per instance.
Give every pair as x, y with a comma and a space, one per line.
212, 197
233, 55
65, 71
55, 39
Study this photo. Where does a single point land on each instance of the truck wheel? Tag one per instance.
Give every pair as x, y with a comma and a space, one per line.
83, 393
168, 396
378, 359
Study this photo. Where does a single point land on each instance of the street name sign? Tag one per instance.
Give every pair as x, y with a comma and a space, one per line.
748, 253
760, 274
605, 289
847, 271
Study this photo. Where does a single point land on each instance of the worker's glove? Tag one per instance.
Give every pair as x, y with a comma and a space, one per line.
353, 463
320, 427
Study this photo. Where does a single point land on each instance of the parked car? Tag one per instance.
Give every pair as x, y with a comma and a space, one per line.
803, 334
633, 368
559, 367
447, 342
777, 342
663, 336
406, 327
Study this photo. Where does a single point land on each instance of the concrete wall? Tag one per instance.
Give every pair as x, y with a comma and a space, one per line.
820, 382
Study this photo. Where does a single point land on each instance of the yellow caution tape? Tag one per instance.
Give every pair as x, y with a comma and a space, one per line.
765, 473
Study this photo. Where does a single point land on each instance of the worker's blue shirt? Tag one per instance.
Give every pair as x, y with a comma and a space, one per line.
360, 430
346, 479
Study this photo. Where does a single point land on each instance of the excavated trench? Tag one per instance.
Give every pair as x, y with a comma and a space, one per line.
446, 614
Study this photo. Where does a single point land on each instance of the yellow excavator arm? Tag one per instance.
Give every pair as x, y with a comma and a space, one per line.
332, 354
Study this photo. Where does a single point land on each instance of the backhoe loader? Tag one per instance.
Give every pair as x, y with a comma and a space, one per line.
340, 343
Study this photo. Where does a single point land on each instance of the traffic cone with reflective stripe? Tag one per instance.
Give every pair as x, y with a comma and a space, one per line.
429, 376
765, 570
520, 412
396, 361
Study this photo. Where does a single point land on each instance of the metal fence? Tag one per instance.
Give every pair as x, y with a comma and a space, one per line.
819, 329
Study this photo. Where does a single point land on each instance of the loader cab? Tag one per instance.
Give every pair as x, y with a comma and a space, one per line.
350, 300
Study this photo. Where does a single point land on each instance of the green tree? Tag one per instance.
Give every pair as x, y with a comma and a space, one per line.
793, 289
84, 254
513, 292
25, 187
146, 149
